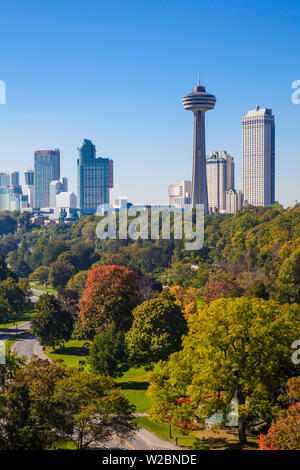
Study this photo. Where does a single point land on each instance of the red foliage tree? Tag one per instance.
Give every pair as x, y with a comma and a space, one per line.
285, 433
110, 296
221, 284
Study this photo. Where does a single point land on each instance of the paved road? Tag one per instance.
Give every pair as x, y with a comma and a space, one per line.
28, 345
9, 333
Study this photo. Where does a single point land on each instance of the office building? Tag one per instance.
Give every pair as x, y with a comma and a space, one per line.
199, 102
94, 178
46, 169
220, 178
4, 179
57, 187
66, 200
234, 201
259, 157
180, 193
29, 184
8, 201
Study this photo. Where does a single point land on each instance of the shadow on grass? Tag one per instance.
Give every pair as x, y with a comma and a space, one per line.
70, 351
134, 385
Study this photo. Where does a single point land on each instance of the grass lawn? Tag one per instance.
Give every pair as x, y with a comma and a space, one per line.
43, 288
220, 440
19, 318
134, 385
72, 352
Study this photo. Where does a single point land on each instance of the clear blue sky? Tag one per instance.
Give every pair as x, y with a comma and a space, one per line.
115, 72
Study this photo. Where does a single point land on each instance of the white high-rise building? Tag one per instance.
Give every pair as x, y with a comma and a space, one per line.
220, 178
180, 193
234, 201
259, 157
57, 187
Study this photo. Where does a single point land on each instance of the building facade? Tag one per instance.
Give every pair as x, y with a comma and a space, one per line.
234, 201
94, 178
46, 169
220, 178
57, 187
259, 157
4, 179
180, 193
29, 184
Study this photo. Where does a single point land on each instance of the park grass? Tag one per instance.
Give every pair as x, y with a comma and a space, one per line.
134, 385
223, 439
43, 288
18, 318
71, 353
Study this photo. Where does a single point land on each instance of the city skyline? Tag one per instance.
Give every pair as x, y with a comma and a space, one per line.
49, 110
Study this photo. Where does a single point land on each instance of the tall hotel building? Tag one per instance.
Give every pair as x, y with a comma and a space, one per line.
259, 157
94, 178
46, 169
220, 178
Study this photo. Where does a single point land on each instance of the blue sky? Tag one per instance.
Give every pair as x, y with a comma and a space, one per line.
115, 72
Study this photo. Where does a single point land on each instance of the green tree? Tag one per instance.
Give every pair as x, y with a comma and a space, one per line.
52, 324
78, 282
108, 354
60, 274
289, 278
40, 274
89, 409
235, 349
156, 332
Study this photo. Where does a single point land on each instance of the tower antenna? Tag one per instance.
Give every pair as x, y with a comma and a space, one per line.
198, 78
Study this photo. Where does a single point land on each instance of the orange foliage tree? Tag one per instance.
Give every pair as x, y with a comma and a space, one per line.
111, 294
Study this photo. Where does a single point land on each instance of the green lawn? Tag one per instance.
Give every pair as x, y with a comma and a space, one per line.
19, 318
43, 288
134, 385
72, 352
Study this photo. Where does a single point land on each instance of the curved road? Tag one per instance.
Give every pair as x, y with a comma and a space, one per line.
28, 345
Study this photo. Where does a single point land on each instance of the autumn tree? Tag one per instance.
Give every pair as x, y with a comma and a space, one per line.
110, 296
156, 332
284, 432
235, 349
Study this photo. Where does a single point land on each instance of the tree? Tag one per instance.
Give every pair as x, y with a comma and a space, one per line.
289, 278
52, 323
108, 354
40, 275
110, 296
13, 297
59, 274
78, 282
89, 409
156, 332
221, 284
284, 433
69, 298
235, 349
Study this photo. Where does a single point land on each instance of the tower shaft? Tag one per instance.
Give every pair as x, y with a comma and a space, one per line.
199, 184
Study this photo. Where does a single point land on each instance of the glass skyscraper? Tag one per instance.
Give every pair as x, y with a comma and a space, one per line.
46, 169
94, 178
